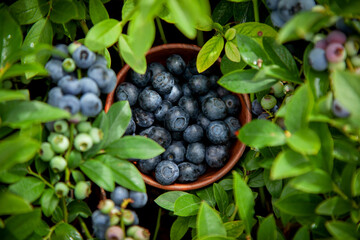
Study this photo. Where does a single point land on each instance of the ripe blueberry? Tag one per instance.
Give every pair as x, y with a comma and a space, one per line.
339, 110
203, 121
161, 111
175, 152
175, 64
163, 83
160, 135
69, 85
166, 172
193, 133
190, 105
90, 104
176, 119
149, 100
139, 198
131, 128
148, 165
195, 152
119, 194
233, 124
140, 80
199, 84
127, 91
55, 70
188, 172
232, 103
83, 57
216, 155
214, 108
175, 94
87, 85
218, 132
317, 59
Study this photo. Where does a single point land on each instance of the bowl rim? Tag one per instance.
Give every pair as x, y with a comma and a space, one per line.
221, 172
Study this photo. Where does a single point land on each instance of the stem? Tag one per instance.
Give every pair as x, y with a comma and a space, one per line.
84, 228
79, 73
157, 224
256, 10
51, 230
234, 214
84, 27
67, 155
66, 214
39, 177
349, 64
200, 38
161, 30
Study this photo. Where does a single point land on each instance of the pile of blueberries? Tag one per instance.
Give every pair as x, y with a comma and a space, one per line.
187, 113
80, 79
112, 214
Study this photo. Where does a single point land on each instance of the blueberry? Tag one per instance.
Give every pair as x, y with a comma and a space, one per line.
111, 83
188, 172
288, 8
143, 118
203, 121
190, 105
149, 100
322, 43
199, 84
140, 80
58, 164
195, 152
61, 189
216, 155
218, 132
100, 223
131, 128
175, 64
339, 110
276, 19
166, 172
103, 76
272, 4
119, 194
232, 103
177, 136
83, 57
187, 74
163, 83
275, 109
214, 108
90, 104
139, 198
336, 36
193, 133
186, 90
264, 115
175, 94
70, 85
160, 135
148, 165
317, 59
70, 103
176, 119
54, 96
256, 107
222, 91
335, 52
127, 91
146, 131
100, 59
161, 111
46, 152
233, 124
211, 93
83, 142
87, 85
63, 49
175, 153
155, 68
114, 233
268, 102
55, 69
202, 167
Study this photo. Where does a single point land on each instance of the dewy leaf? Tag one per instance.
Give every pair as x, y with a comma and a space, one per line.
232, 52
29, 188
342, 230
97, 11
62, 11
13, 204
65, 231
29, 11
187, 205
167, 200
21, 226
299, 204
138, 63
137, 147
267, 229
49, 201
334, 206
103, 35
99, 173
289, 164
316, 181
209, 53
304, 141
179, 228
209, 222
261, 133
244, 200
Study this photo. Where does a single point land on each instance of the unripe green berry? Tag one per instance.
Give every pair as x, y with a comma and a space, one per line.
78, 117
84, 127
230, 34
337, 66
61, 189
69, 65
96, 135
82, 190
114, 233
46, 152
58, 164
288, 88
59, 143
7, 84
73, 46
128, 238
83, 142
142, 234
130, 232
355, 61
114, 220
61, 126
127, 217
268, 102
106, 206
277, 89
351, 48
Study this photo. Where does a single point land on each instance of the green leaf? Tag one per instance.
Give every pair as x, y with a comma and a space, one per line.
244, 200
103, 35
78, 208
275, 71
74, 159
65, 231
209, 222
9, 95
13, 174
302, 234
255, 30
222, 12
62, 11
207, 195
289, 164
221, 197
261, 133
298, 109
234, 228
299, 204
187, 205
244, 12
274, 187
19, 114
29, 11
355, 184
49, 201
138, 63
181, 15
346, 151
267, 229
209, 53
316, 181
13, 204
304, 141
99, 173
142, 34
228, 66
137, 147
29, 188
251, 52
17, 70
22, 225
167, 200
125, 173
11, 35
127, 8
179, 228
97, 11
334, 206
342, 230
77, 176
119, 116
232, 52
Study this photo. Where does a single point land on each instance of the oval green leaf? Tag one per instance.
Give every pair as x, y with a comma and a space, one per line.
316, 181
138, 63
187, 205
103, 35
29, 188
232, 52
99, 173
209, 222
167, 200
209, 53
304, 141
97, 11
13, 204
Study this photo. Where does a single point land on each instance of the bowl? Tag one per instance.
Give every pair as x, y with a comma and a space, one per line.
188, 52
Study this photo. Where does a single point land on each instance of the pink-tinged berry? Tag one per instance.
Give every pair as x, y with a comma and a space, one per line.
335, 52
336, 37
114, 233
321, 44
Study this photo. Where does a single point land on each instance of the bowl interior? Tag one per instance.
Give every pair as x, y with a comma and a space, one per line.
188, 52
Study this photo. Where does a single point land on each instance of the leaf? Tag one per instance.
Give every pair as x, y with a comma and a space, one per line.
275, 71
232, 52
274, 187
19, 114
299, 204
221, 197
78, 208
127, 8
99, 173
62, 11
119, 116
222, 12
240, 81
316, 181
261, 133
13, 204
209, 53
125, 173
17, 70
267, 229
244, 12
187, 205
167, 200
9, 95
141, 32
342, 230
103, 35
65, 231
228, 66
127, 52
345, 151
207, 195
11, 35
244, 200
179, 228
209, 222
255, 30
234, 228
22, 225
137, 147
355, 184
304, 141
29, 188
74, 159
302, 234
251, 52
334, 206
13, 174
28, 11
97, 11
181, 17
49, 201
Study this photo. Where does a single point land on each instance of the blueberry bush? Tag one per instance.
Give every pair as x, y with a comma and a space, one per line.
66, 165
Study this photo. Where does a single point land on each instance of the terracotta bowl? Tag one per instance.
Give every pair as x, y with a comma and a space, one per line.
188, 52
